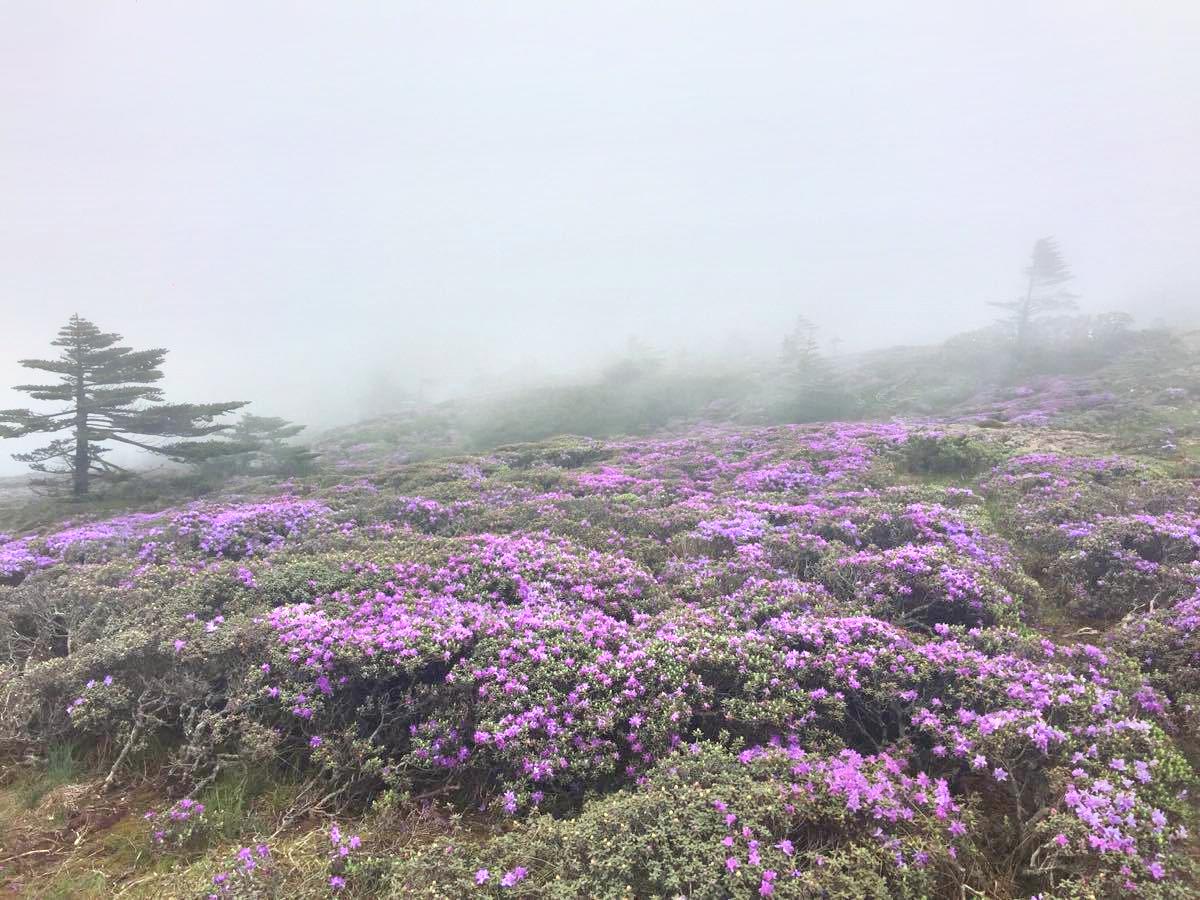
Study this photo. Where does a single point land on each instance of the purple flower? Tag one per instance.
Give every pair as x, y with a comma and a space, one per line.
513, 877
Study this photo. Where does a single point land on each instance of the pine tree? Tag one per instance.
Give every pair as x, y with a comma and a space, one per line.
266, 450
800, 350
266, 431
1045, 275
110, 395
812, 389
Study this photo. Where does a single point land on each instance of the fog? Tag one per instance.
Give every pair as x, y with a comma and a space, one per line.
298, 199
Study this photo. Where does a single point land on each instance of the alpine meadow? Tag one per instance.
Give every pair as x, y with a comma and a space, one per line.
677, 451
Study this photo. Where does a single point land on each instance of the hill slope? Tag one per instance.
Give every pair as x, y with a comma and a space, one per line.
904, 659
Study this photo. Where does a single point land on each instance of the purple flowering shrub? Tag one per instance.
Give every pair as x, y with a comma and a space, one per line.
499, 683
428, 515
1166, 644
84, 543
1049, 478
772, 820
1070, 401
102, 541
1118, 563
726, 662
234, 532
228, 531
724, 533
180, 825
890, 522
531, 569
18, 559
921, 585
1039, 725
252, 875
915, 562
1034, 494
545, 704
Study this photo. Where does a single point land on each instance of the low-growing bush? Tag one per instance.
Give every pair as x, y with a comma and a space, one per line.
1118, 563
948, 454
709, 822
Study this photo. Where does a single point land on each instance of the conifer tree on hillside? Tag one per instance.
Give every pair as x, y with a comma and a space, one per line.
109, 396
267, 431
800, 351
266, 450
1045, 276
812, 390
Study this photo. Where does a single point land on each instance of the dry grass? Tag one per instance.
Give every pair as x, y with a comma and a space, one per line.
72, 841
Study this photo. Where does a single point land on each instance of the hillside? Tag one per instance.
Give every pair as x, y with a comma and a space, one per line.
852, 659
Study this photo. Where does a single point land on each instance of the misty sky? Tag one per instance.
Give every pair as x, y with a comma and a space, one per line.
293, 196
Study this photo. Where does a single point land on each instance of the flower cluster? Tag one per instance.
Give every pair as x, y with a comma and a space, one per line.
251, 875
18, 558
235, 532
426, 514
924, 584
342, 847
177, 825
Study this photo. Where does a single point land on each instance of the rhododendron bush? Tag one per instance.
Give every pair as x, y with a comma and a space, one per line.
788, 662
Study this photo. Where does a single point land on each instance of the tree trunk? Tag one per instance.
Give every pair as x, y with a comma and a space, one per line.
1024, 317
1022, 330
82, 465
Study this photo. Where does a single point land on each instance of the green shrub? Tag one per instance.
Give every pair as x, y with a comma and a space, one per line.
948, 454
